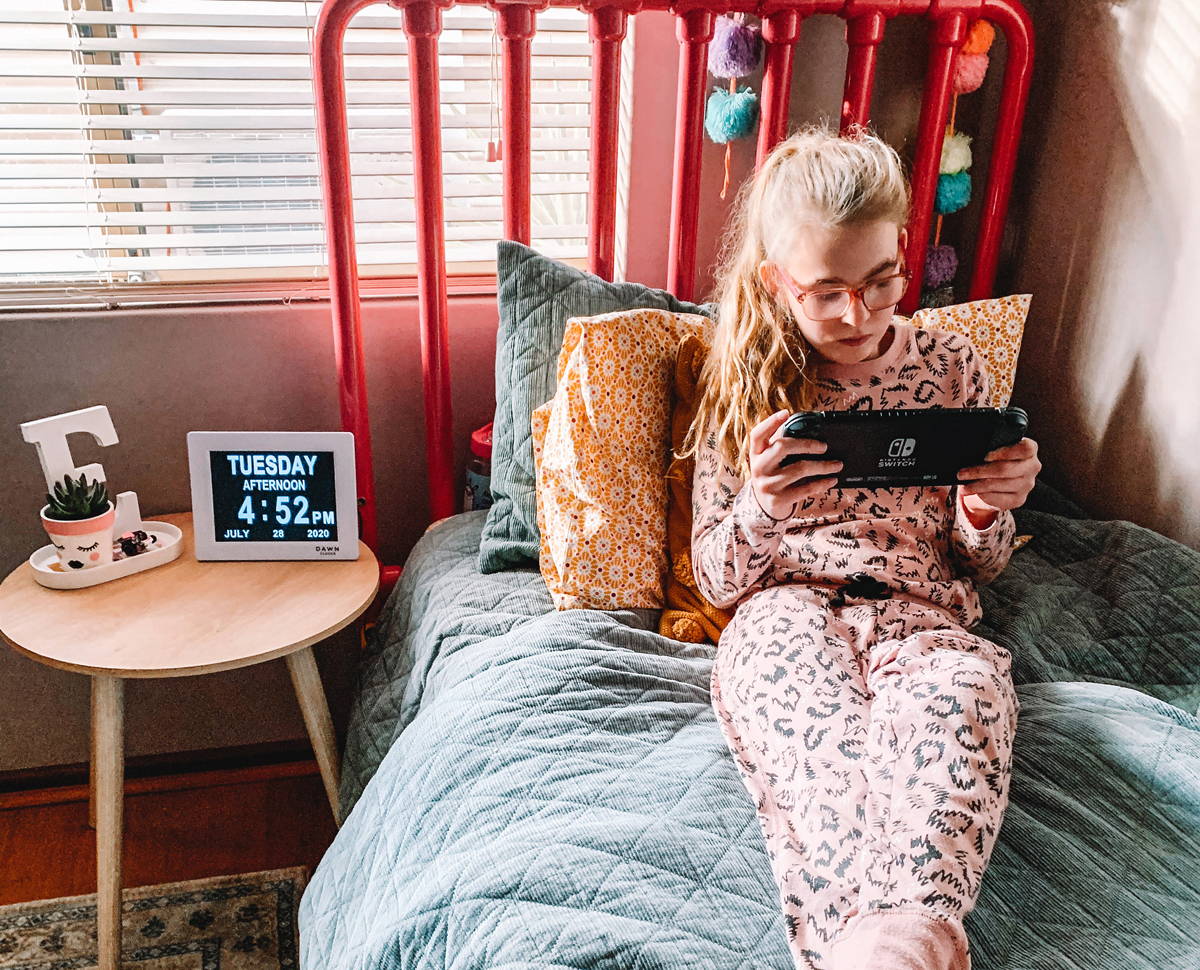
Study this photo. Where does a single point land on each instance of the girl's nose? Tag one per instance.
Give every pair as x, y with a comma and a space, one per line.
856, 313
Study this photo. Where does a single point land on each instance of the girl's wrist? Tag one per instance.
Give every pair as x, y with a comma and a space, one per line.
979, 514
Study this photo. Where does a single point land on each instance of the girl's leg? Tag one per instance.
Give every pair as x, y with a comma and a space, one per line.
788, 687
943, 719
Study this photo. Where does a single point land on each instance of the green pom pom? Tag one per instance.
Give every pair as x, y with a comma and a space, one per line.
942, 296
728, 116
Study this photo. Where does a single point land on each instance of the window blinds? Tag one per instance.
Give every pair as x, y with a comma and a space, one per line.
164, 141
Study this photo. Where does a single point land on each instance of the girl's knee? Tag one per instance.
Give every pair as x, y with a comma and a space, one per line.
951, 659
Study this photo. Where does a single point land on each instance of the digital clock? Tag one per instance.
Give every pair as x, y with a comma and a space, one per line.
273, 494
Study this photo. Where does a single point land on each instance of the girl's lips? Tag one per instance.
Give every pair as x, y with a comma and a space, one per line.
854, 341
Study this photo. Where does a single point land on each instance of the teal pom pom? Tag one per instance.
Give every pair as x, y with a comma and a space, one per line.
728, 116
953, 192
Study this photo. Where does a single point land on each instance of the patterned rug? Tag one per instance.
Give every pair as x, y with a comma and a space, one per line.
245, 922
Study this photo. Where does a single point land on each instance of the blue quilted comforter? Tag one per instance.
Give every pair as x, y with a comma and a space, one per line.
527, 788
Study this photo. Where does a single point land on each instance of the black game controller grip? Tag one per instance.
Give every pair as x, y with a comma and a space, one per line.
805, 424
802, 425
1011, 428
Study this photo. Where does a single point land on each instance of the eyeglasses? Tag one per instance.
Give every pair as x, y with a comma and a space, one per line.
829, 303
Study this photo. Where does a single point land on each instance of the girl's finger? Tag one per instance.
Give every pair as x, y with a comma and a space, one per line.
761, 433
773, 454
811, 486
1025, 448
814, 469
999, 486
803, 446
995, 469
799, 471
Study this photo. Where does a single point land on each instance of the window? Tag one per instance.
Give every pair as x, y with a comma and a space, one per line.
171, 141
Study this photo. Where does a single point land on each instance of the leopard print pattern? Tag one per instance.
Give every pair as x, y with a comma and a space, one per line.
873, 732
875, 740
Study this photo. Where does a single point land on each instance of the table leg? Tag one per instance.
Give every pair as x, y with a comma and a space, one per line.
92, 778
108, 770
307, 680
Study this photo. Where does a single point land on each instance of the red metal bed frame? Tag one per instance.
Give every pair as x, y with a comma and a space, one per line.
781, 22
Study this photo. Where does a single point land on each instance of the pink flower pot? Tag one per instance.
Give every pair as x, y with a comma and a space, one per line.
82, 543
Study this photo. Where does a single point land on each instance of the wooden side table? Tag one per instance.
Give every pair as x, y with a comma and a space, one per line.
184, 618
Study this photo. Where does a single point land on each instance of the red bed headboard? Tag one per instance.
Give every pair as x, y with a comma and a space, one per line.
781, 21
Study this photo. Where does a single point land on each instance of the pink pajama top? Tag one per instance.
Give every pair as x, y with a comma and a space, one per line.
916, 540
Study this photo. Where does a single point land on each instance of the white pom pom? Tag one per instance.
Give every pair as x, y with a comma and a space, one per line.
956, 153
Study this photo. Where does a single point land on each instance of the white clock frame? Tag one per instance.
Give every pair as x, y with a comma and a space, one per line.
345, 490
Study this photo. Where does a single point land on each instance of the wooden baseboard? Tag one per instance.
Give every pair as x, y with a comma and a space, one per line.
157, 773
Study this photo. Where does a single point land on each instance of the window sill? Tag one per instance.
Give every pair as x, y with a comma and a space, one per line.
285, 292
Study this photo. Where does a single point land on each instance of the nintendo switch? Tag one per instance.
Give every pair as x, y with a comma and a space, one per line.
910, 446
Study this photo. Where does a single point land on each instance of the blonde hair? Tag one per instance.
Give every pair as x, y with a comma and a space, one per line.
758, 359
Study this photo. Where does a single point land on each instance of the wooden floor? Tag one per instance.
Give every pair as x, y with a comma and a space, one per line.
47, 850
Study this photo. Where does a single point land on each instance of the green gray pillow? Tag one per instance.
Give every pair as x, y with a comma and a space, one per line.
535, 297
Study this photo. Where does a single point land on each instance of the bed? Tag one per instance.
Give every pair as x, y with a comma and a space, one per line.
527, 787
530, 788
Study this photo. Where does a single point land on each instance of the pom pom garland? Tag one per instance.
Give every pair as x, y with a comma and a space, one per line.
954, 177
956, 153
941, 263
953, 192
728, 116
735, 48
734, 52
969, 71
979, 38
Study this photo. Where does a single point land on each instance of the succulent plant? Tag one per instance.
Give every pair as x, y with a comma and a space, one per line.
76, 499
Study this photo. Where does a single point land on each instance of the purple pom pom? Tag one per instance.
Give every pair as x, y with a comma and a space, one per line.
735, 49
941, 263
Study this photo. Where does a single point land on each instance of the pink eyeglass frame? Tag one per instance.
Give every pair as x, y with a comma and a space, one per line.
855, 292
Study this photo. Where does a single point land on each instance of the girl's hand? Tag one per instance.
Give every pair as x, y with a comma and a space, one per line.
778, 490
1003, 481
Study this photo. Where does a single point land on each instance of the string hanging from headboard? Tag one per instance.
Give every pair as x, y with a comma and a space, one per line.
954, 176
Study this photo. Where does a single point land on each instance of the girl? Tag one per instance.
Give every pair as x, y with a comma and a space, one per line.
872, 730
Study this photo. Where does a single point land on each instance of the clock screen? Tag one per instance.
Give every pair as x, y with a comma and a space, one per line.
273, 496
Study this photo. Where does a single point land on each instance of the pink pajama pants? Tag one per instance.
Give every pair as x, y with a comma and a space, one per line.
875, 738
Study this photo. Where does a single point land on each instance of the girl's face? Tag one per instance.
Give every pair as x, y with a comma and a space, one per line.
846, 256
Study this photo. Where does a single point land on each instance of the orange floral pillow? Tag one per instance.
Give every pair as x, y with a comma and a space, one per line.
686, 614
601, 447
994, 326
